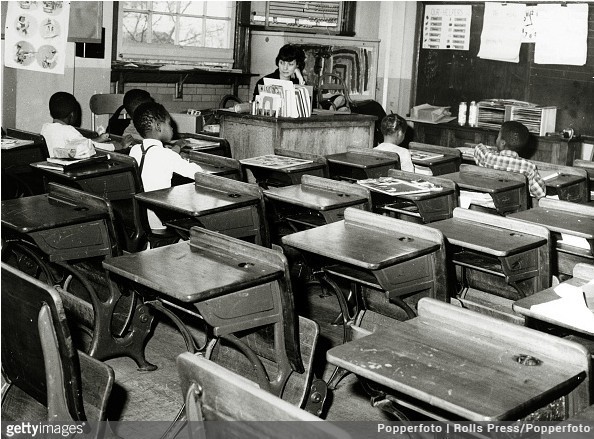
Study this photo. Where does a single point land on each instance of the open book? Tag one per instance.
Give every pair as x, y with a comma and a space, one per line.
274, 161
397, 186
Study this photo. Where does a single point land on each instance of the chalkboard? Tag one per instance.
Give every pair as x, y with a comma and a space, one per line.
447, 77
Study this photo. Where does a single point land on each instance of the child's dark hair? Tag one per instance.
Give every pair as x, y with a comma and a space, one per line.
133, 98
290, 52
62, 105
515, 135
147, 113
393, 123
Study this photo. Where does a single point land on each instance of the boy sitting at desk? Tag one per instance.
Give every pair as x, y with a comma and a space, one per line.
61, 133
507, 156
394, 129
157, 163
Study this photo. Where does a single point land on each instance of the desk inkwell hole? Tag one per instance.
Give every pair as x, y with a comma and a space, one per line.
405, 239
527, 360
343, 195
245, 264
502, 180
81, 208
234, 195
515, 234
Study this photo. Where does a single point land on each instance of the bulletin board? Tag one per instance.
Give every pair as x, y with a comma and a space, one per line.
447, 77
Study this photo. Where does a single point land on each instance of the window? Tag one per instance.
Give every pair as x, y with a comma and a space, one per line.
188, 32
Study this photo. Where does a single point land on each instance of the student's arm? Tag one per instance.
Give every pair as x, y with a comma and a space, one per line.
538, 188
481, 153
182, 166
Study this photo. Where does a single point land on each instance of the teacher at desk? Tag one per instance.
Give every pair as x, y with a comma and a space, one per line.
290, 62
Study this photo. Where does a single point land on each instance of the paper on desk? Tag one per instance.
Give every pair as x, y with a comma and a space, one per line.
574, 241
570, 308
468, 197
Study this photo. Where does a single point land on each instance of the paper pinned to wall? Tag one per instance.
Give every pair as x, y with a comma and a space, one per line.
447, 26
36, 34
502, 31
561, 34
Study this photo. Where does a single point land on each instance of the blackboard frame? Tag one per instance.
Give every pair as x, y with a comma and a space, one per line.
447, 77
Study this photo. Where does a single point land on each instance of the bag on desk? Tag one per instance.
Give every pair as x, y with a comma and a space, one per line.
76, 149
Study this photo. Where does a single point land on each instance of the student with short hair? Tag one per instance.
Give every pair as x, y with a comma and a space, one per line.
66, 112
509, 155
132, 99
156, 162
394, 129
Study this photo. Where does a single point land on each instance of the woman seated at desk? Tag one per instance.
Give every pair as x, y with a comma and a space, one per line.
290, 62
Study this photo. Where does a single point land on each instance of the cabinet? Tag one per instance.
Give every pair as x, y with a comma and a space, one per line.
550, 149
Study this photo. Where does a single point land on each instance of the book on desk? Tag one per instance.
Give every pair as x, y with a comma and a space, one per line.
68, 164
273, 161
397, 186
15, 143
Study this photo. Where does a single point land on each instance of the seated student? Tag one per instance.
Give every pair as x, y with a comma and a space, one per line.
507, 156
394, 129
132, 99
157, 163
60, 133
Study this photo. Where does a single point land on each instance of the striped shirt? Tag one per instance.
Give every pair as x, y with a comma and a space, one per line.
508, 160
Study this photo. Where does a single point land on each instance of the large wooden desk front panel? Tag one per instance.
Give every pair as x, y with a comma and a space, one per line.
252, 136
551, 149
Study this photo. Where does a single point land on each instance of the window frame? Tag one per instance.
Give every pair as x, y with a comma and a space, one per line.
151, 52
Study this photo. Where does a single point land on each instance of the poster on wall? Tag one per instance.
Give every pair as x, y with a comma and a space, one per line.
35, 35
502, 33
447, 27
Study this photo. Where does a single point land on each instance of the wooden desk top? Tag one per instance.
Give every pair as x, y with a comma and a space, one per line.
216, 170
41, 212
12, 142
559, 221
287, 170
195, 200
564, 180
108, 167
432, 161
453, 364
488, 239
358, 160
366, 247
526, 307
313, 197
482, 183
186, 273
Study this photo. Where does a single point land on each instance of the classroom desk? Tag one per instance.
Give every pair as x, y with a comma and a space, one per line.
564, 218
496, 260
216, 203
508, 190
401, 259
423, 207
568, 182
267, 176
359, 165
448, 162
249, 291
63, 223
112, 179
450, 363
532, 306
17, 174
314, 202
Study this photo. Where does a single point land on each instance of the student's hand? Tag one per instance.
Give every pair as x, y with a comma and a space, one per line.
128, 140
102, 138
299, 76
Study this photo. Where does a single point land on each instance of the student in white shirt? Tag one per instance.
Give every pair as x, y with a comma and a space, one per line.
156, 162
65, 110
394, 129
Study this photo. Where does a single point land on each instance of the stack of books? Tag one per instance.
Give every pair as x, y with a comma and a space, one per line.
490, 113
280, 98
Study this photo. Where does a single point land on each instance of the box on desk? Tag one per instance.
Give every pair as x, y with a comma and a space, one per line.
188, 123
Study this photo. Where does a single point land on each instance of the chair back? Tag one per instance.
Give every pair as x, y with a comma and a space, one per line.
105, 103
339, 99
212, 392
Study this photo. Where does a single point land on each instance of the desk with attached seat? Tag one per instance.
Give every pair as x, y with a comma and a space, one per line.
565, 220
451, 363
314, 202
250, 291
495, 260
448, 160
567, 182
423, 207
18, 178
267, 175
217, 165
231, 207
359, 164
509, 190
588, 165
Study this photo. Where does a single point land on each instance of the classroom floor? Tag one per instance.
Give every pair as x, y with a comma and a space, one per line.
156, 395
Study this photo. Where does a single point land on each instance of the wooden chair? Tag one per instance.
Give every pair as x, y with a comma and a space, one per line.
213, 393
104, 103
49, 380
335, 86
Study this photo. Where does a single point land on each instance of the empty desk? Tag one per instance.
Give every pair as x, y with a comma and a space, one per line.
439, 159
572, 227
361, 164
19, 149
276, 170
451, 363
494, 260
